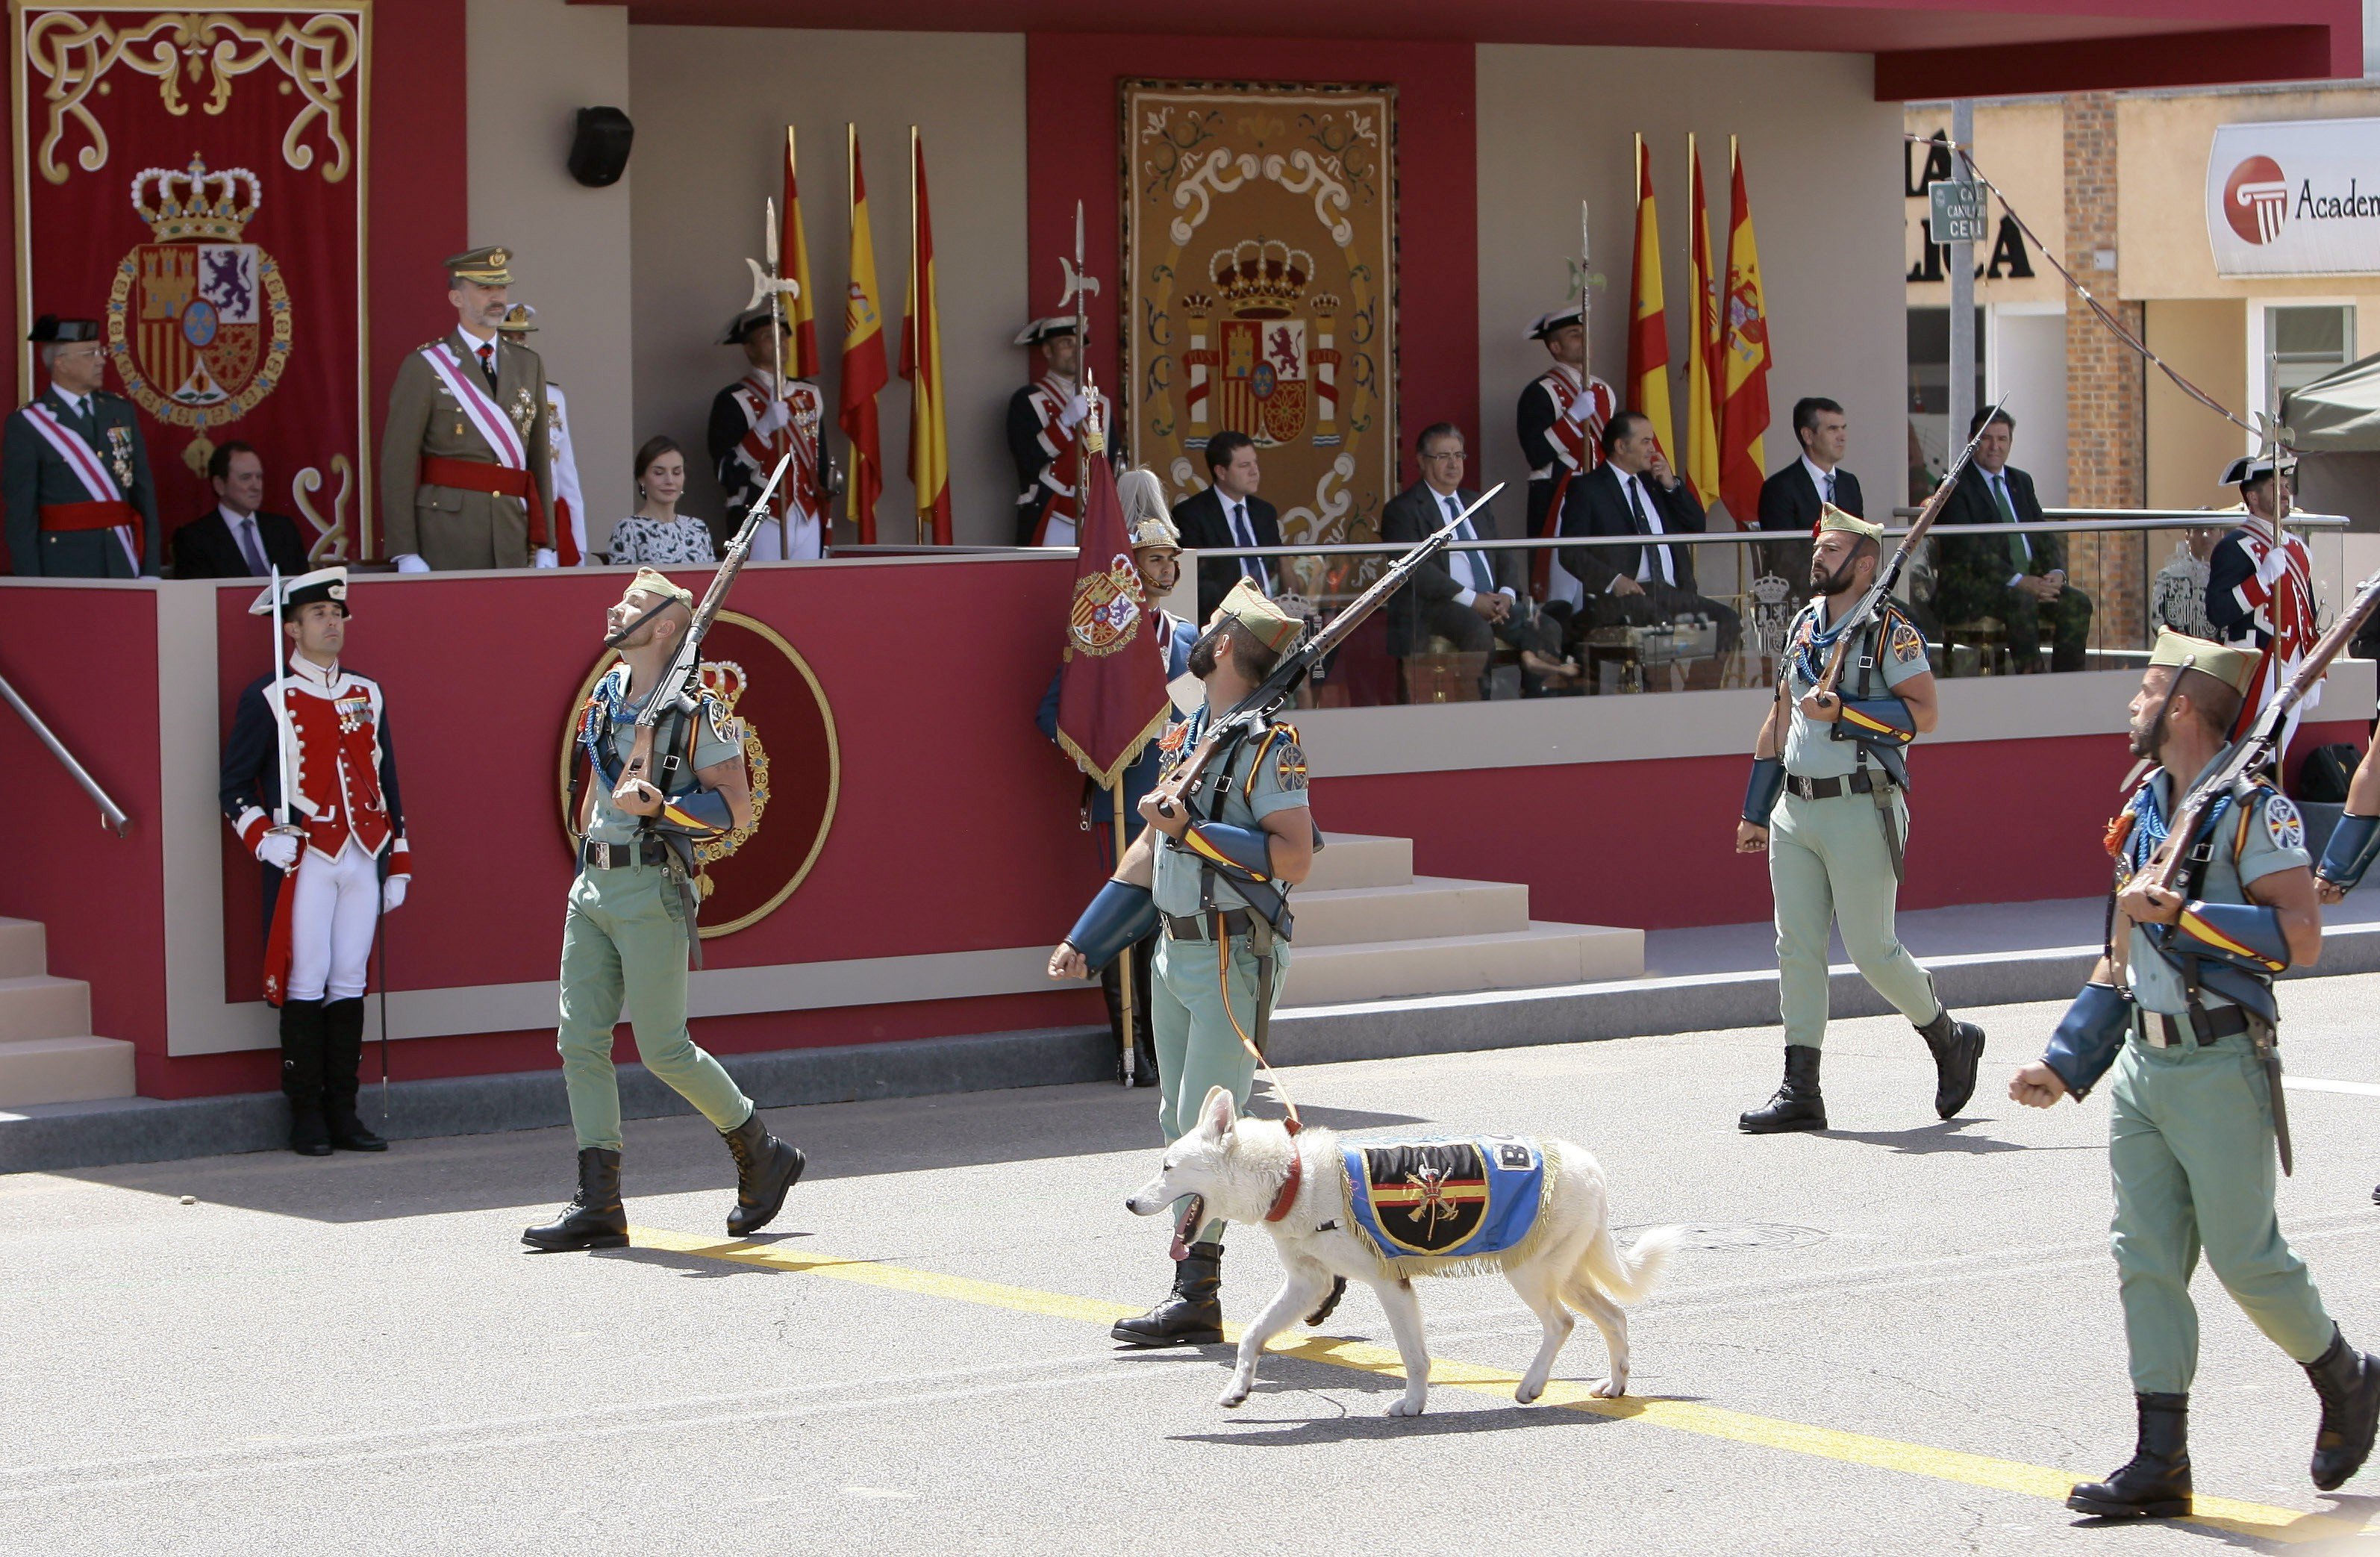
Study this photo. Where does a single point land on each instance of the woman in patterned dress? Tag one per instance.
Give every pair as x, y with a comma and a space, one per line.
657, 533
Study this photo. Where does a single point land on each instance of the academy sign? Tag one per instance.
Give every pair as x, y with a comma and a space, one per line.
2299, 198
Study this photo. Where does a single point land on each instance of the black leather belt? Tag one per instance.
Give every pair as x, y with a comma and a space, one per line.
1199, 927
1828, 788
2170, 1033
619, 857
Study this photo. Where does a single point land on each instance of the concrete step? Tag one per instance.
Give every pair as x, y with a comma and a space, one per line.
1535, 955
64, 1070
1353, 859
23, 949
1424, 908
36, 1006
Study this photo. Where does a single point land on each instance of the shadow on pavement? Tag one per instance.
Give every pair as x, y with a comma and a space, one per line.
1926, 1140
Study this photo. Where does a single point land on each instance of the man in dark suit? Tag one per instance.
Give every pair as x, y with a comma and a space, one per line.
2022, 579
1791, 499
236, 540
1229, 513
1633, 492
1467, 597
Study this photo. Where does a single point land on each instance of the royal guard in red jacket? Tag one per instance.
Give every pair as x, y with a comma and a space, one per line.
341, 833
1045, 421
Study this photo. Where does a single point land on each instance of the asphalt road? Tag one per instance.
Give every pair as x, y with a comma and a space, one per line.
1899, 1336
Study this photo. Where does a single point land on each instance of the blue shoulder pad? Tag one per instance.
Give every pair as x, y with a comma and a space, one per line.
1119, 915
2354, 843
2088, 1036
1760, 793
1241, 853
2246, 935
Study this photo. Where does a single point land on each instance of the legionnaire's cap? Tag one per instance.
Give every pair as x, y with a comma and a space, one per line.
2235, 667
1246, 604
1560, 319
2250, 468
654, 583
49, 330
1142, 496
322, 584
519, 319
1045, 329
1832, 518
487, 267
744, 324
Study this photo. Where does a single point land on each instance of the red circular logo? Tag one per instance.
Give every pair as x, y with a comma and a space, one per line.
2255, 199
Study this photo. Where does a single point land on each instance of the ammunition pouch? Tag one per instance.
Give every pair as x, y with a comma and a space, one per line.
2354, 843
1760, 793
2088, 1036
1119, 915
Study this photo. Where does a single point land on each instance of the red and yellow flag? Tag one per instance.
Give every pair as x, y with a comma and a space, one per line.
801, 313
1701, 470
1111, 684
1744, 385
1648, 321
863, 362
921, 364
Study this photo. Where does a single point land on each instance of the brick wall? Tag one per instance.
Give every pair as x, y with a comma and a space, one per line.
2105, 414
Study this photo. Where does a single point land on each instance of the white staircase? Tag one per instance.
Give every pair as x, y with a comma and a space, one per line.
1370, 929
47, 1054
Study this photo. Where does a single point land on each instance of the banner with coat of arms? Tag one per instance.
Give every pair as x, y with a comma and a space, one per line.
195, 180
1260, 264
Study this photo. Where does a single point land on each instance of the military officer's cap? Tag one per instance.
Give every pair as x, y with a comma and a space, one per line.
2250, 468
49, 330
1548, 324
322, 584
744, 324
487, 267
653, 583
519, 319
1142, 496
1832, 518
2235, 667
1045, 329
1246, 604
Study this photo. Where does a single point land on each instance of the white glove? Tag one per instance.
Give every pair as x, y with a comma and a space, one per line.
1076, 409
778, 416
1582, 407
542, 557
410, 563
392, 893
279, 849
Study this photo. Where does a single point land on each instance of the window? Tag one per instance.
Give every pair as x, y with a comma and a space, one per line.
2307, 344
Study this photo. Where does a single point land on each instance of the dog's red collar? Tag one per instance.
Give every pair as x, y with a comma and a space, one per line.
1288, 1195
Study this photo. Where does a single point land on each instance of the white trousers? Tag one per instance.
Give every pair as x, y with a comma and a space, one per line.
801, 532
331, 923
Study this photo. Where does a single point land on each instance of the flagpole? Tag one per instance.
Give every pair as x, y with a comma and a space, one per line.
916, 323
851, 214
1123, 961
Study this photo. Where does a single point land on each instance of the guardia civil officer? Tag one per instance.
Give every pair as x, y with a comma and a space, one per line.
630, 927
2181, 1009
75, 469
1240, 831
1835, 840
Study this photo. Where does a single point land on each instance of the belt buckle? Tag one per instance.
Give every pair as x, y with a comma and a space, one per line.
1800, 785
2158, 1029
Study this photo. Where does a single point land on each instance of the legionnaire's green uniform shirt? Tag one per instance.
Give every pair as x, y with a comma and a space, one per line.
2251, 842
1810, 750
1268, 775
713, 743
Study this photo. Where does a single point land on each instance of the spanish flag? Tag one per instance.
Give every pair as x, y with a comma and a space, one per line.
863, 362
801, 314
1701, 472
1744, 386
1648, 320
921, 364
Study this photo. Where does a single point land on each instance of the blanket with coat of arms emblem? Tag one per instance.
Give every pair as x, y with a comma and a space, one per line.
1448, 1207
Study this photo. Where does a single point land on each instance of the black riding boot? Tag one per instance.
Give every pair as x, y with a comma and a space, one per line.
1191, 1315
342, 1054
1797, 1105
765, 1171
2349, 1383
595, 1219
2154, 1483
1957, 1049
302, 1076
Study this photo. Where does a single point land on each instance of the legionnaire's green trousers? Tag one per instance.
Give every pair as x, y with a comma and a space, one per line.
1828, 864
1196, 1046
2190, 1151
627, 928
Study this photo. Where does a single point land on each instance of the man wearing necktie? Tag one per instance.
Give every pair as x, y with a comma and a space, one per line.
1468, 596
234, 539
1635, 492
75, 468
1229, 513
2020, 580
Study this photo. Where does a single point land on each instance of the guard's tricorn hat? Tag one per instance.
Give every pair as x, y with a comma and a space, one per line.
519, 319
654, 583
1548, 324
487, 267
2250, 468
1246, 604
2235, 667
322, 584
744, 324
49, 330
1832, 518
1048, 328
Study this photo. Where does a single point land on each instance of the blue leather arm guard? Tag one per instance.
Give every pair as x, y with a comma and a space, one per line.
1119, 915
702, 812
2354, 843
1241, 853
1760, 794
2246, 935
1885, 720
2088, 1037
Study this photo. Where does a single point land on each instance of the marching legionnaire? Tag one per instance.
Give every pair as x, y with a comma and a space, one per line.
2260, 583
2354, 843
1045, 421
2181, 1009
750, 429
76, 469
1242, 834
630, 925
338, 827
1561, 417
569, 501
465, 464
1835, 848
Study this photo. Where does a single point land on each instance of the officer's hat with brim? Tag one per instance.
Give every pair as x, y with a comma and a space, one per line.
1045, 329
744, 324
491, 266
1246, 604
49, 330
1142, 497
2250, 468
1832, 518
654, 583
519, 319
2235, 667
1548, 324
322, 584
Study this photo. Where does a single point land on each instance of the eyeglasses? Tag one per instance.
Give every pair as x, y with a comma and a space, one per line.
1446, 454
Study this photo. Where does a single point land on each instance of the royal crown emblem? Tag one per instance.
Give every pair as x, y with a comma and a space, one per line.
1107, 608
1270, 367
184, 211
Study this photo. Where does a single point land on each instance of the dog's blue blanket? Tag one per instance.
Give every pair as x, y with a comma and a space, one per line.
1445, 1199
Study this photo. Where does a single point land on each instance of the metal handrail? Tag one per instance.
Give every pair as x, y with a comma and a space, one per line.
110, 814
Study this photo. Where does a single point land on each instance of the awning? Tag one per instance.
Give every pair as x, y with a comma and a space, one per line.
2339, 414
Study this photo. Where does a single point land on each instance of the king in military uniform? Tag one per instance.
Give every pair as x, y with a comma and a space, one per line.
752, 426
2181, 1009
76, 469
465, 466
1045, 423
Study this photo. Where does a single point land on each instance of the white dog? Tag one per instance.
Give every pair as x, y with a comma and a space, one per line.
1254, 1171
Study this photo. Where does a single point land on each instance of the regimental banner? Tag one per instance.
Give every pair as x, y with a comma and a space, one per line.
196, 181
2295, 198
1259, 259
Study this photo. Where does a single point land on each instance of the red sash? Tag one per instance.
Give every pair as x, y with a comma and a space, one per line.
500, 480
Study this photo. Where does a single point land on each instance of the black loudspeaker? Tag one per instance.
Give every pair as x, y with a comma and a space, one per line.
599, 149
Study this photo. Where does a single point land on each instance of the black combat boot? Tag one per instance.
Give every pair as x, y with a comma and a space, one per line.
2349, 1383
765, 1171
1191, 1315
1797, 1105
342, 1054
594, 1219
302, 1076
1957, 1049
2154, 1483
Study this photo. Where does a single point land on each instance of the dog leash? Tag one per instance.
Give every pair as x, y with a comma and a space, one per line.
1223, 983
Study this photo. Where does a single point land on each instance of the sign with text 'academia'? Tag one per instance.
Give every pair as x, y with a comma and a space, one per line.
2299, 199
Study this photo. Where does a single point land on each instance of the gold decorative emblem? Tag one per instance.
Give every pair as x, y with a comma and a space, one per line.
1107, 609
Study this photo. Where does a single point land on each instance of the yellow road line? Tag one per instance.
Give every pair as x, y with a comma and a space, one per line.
2258, 1520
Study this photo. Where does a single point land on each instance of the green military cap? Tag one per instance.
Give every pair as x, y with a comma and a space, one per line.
1246, 604
488, 267
2235, 667
1832, 518
652, 583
